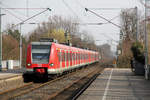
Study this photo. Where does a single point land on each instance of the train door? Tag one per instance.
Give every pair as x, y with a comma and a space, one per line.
71, 58
63, 58
65, 54
75, 59
60, 55
68, 58
79, 58
89, 60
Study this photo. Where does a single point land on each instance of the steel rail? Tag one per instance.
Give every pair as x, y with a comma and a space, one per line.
71, 84
40, 85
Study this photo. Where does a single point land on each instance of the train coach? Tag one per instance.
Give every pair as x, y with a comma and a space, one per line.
46, 58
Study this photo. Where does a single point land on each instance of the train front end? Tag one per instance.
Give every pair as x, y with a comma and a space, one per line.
38, 60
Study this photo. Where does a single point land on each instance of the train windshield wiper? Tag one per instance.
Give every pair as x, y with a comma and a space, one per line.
45, 55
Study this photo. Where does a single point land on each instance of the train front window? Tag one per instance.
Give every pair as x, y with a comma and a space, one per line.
40, 54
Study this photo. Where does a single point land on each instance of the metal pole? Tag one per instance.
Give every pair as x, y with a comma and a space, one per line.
146, 46
20, 46
0, 43
137, 24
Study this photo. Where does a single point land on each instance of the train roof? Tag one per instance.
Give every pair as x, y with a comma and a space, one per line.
62, 46
69, 48
38, 43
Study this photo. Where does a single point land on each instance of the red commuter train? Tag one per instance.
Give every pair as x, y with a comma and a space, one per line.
48, 58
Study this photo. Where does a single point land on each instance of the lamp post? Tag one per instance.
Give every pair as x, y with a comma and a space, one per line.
20, 46
0, 40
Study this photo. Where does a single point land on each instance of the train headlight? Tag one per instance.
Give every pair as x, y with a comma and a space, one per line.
51, 64
28, 64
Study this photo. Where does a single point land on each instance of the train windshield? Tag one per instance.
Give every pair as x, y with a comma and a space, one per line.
40, 54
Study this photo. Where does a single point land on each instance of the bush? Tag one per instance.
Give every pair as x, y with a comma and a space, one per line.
138, 52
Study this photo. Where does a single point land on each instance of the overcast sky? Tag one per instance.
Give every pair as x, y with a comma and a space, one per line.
71, 8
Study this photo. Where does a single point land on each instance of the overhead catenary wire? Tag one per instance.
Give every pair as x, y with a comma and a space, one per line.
48, 9
15, 10
69, 8
102, 17
6, 7
97, 23
113, 18
108, 21
106, 36
13, 15
107, 8
27, 8
79, 4
24, 8
110, 9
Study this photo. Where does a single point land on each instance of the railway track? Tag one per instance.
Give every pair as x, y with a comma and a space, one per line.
47, 90
50, 90
76, 88
29, 87
5, 95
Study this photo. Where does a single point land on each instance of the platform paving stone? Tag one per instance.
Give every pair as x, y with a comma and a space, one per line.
117, 84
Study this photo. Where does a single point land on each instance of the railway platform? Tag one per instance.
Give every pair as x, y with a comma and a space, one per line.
10, 79
6, 74
117, 84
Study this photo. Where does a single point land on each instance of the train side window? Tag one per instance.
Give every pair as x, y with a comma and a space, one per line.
76, 56
58, 55
68, 56
86, 57
72, 55
63, 56
80, 56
